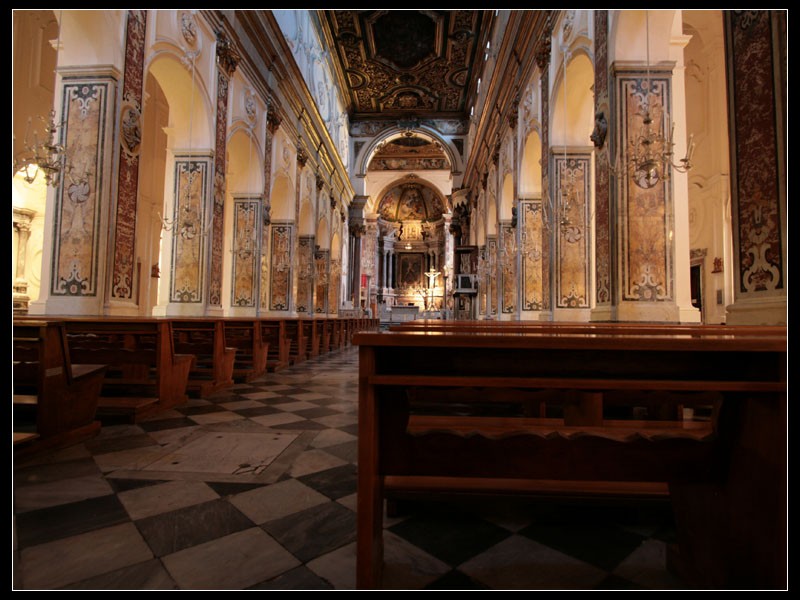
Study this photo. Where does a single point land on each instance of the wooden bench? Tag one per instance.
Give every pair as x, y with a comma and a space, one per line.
325, 327
213, 367
252, 351
55, 400
298, 343
273, 333
312, 331
436, 414
145, 374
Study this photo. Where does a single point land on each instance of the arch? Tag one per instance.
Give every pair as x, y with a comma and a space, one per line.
306, 222
507, 198
323, 234
573, 115
191, 114
530, 175
410, 199
368, 152
244, 162
281, 199
336, 246
373, 204
628, 35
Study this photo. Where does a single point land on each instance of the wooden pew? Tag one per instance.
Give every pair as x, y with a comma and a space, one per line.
427, 424
58, 397
252, 351
273, 333
145, 374
298, 343
204, 338
326, 327
313, 333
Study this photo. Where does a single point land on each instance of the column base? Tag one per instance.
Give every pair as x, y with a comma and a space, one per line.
574, 315
757, 311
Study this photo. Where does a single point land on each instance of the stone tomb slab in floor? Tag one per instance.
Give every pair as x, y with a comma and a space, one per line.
228, 453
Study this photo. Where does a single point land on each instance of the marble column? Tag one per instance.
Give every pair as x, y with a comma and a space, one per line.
124, 286
756, 61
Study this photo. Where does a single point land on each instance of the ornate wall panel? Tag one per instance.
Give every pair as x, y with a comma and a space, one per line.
645, 215
86, 103
217, 233
190, 220
508, 270
280, 288
246, 252
757, 157
130, 128
321, 281
531, 249
273, 122
543, 62
305, 275
335, 286
573, 259
602, 188
491, 255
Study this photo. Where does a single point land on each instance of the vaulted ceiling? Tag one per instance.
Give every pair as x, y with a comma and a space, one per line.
398, 64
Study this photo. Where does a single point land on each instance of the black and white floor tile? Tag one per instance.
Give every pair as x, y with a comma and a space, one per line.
255, 488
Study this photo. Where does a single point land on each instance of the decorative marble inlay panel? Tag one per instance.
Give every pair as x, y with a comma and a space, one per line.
79, 201
246, 224
531, 248
756, 192
491, 254
334, 286
602, 188
321, 281
305, 273
484, 282
218, 230
572, 275
190, 229
124, 259
645, 217
508, 269
281, 271
546, 173
263, 288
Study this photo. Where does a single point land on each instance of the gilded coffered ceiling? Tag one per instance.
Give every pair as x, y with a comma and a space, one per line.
399, 64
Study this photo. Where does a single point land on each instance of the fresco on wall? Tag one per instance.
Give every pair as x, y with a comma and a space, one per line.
531, 247
78, 209
572, 272
409, 153
190, 228
410, 202
280, 271
646, 214
245, 251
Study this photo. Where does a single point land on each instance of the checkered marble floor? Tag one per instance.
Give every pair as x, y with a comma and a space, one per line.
255, 488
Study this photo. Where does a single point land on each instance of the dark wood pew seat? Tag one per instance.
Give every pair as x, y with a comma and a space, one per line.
587, 412
55, 400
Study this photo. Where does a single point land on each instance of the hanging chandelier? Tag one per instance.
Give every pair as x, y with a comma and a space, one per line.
650, 153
